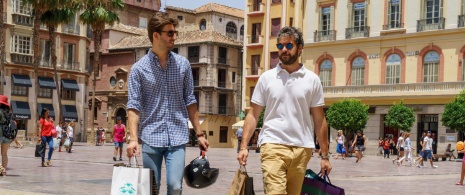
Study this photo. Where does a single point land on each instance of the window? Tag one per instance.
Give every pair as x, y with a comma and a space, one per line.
275, 1
68, 55
222, 78
393, 69
275, 26
21, 44
431, 67
203, 24
274, 59
222, 55
68, 94
223, 134
326, 69
242, 30
142, 22
359, 16
45, 93
358, 71
19, 7
196, 76
291, 21
326, 20
95, 112
19, 90
256, 32
193, 54
222, 103
44, 52
180, 18
112, 81
251, 94
231, 30
433, 11
255, 64
233, 77
394, 14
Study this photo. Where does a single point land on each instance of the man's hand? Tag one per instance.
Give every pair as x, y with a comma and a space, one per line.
133, 149
203, 143
242, 156
325, 166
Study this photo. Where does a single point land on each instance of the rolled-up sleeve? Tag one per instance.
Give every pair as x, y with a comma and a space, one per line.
134, 90
188, 93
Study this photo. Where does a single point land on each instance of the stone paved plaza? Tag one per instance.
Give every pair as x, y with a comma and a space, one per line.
88, 170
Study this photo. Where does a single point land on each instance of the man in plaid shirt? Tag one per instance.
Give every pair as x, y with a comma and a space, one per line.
160, 99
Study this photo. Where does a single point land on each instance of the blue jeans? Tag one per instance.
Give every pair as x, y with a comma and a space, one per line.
174, 161
48, 140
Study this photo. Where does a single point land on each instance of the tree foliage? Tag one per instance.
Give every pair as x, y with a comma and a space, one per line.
349, 115
260, 119
454, 113
400, 117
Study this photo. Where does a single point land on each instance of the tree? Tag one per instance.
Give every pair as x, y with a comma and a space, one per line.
260, 119
2, 48
453, 116
52, 18
348, 115
400, 117
97, 13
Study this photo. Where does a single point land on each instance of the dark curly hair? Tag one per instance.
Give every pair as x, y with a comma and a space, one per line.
292, 31
42, 114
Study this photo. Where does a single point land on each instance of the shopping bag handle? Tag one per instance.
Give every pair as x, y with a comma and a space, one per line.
135, 160
243, 169
325, 177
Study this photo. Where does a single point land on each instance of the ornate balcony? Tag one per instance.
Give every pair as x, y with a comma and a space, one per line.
253, 73
393, 25
66, 65
256, 9
431, 24
223, 61
71, 29
355, 32
255, 41
22, 19
461, 22
324, 35
24, 59
46, 63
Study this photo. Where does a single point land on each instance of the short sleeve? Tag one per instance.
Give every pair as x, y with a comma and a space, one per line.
41, 121
317, 94
258, 96
134, 90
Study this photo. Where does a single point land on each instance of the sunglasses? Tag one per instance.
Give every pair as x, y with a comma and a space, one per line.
171, 33
289, 46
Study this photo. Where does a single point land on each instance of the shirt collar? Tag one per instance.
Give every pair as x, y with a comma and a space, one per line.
155, 57
301, 70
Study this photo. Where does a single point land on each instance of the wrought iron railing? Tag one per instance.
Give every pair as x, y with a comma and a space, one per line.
71, 29
22, 19
256, 7
195, 59
393, 25
324, 35
431, 24
45, 62
24, 59
222, 61
254, 71
395, 89
461, 21
67, 65
255, 39
354, 32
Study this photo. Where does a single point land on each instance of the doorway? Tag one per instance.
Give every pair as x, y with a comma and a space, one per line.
428, 122
122, 113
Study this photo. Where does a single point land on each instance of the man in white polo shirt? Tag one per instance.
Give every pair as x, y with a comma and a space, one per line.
293, 97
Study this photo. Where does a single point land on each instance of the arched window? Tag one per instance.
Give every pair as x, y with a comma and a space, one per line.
393, 69
431, 67
112, 81
358, 71
203, 24
242, 30
326, 69
231, 30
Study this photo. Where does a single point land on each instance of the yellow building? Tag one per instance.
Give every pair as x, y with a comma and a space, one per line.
386, 51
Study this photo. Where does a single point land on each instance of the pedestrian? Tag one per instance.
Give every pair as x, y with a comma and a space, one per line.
400, 147
386, 147
45, 133
70, 136
98, 136
449, 153
380, 146
118, 134
102, 137
408, 150
160, 99
462, 175
359, 143
293, 97
5, 114
239, 138
391, 145
17, 143
420, 162
64, 135
59, 134
340, 148
427, 150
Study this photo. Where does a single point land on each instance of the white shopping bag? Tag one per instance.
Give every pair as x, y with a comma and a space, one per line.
56, 143
131, 179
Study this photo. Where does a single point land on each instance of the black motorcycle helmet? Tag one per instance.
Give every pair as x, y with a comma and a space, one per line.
198, 174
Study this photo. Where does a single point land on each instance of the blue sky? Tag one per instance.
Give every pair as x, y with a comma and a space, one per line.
192, 4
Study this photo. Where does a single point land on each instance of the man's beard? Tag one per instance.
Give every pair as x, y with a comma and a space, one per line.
290, 60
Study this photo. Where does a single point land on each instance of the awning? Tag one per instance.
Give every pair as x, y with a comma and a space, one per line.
69, 113
201, 119
21, 110
47, 82
51, 112
21, 80
70, 84
238, 124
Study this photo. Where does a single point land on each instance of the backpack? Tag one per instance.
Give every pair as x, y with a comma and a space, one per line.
9, 128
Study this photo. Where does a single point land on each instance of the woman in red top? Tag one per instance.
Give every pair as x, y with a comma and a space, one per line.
118, 134
45, 133
386, 147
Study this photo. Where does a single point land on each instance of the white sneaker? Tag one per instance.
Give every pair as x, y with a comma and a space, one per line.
435, 166
418, 166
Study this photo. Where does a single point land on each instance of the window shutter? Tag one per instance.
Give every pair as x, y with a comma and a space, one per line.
463, 7
423, 9
463, 70
350, 9
65, 53
331, 19
441, 3
320, 18
366, 13
400, 15
42, 49
388, 17
73, 51
47, 50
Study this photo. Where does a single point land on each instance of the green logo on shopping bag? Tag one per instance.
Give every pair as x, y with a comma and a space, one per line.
127, 189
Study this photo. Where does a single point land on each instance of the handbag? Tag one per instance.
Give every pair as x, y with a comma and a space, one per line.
56, 143
40, 149
242, 184
315, 184
343, 150
54, 132
132, 179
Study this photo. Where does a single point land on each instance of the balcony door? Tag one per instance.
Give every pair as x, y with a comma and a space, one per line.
222, 78
193, 54
222, 103
196, 76
255, 64
256, 32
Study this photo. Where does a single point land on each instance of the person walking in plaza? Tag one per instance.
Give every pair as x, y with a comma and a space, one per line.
98, 138
380, 146
64, 135
293, 97
391, 145
160, 99
462, 174
449, 152
71, 136
420, 150
59, 134
5, 114
102, 137
45, 133
427, 150
340, 148
386, 147
408, 149
118, 134
400, 147
359, 145
239, 138
18, 144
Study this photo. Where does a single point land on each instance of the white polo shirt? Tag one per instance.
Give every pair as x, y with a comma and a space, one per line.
288, 98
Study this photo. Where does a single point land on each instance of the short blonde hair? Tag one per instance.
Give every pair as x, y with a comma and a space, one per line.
339, 132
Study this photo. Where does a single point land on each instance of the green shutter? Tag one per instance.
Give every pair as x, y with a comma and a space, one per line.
331, 19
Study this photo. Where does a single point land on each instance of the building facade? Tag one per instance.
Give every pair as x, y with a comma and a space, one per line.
386, 51
20, 84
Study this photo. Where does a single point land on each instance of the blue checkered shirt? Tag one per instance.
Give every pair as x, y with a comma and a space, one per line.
161, 97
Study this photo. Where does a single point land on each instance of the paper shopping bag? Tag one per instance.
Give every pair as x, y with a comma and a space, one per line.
248, 186
314, 184
128, 180
242, 184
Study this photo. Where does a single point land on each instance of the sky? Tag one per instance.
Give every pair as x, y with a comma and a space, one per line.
192, 4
